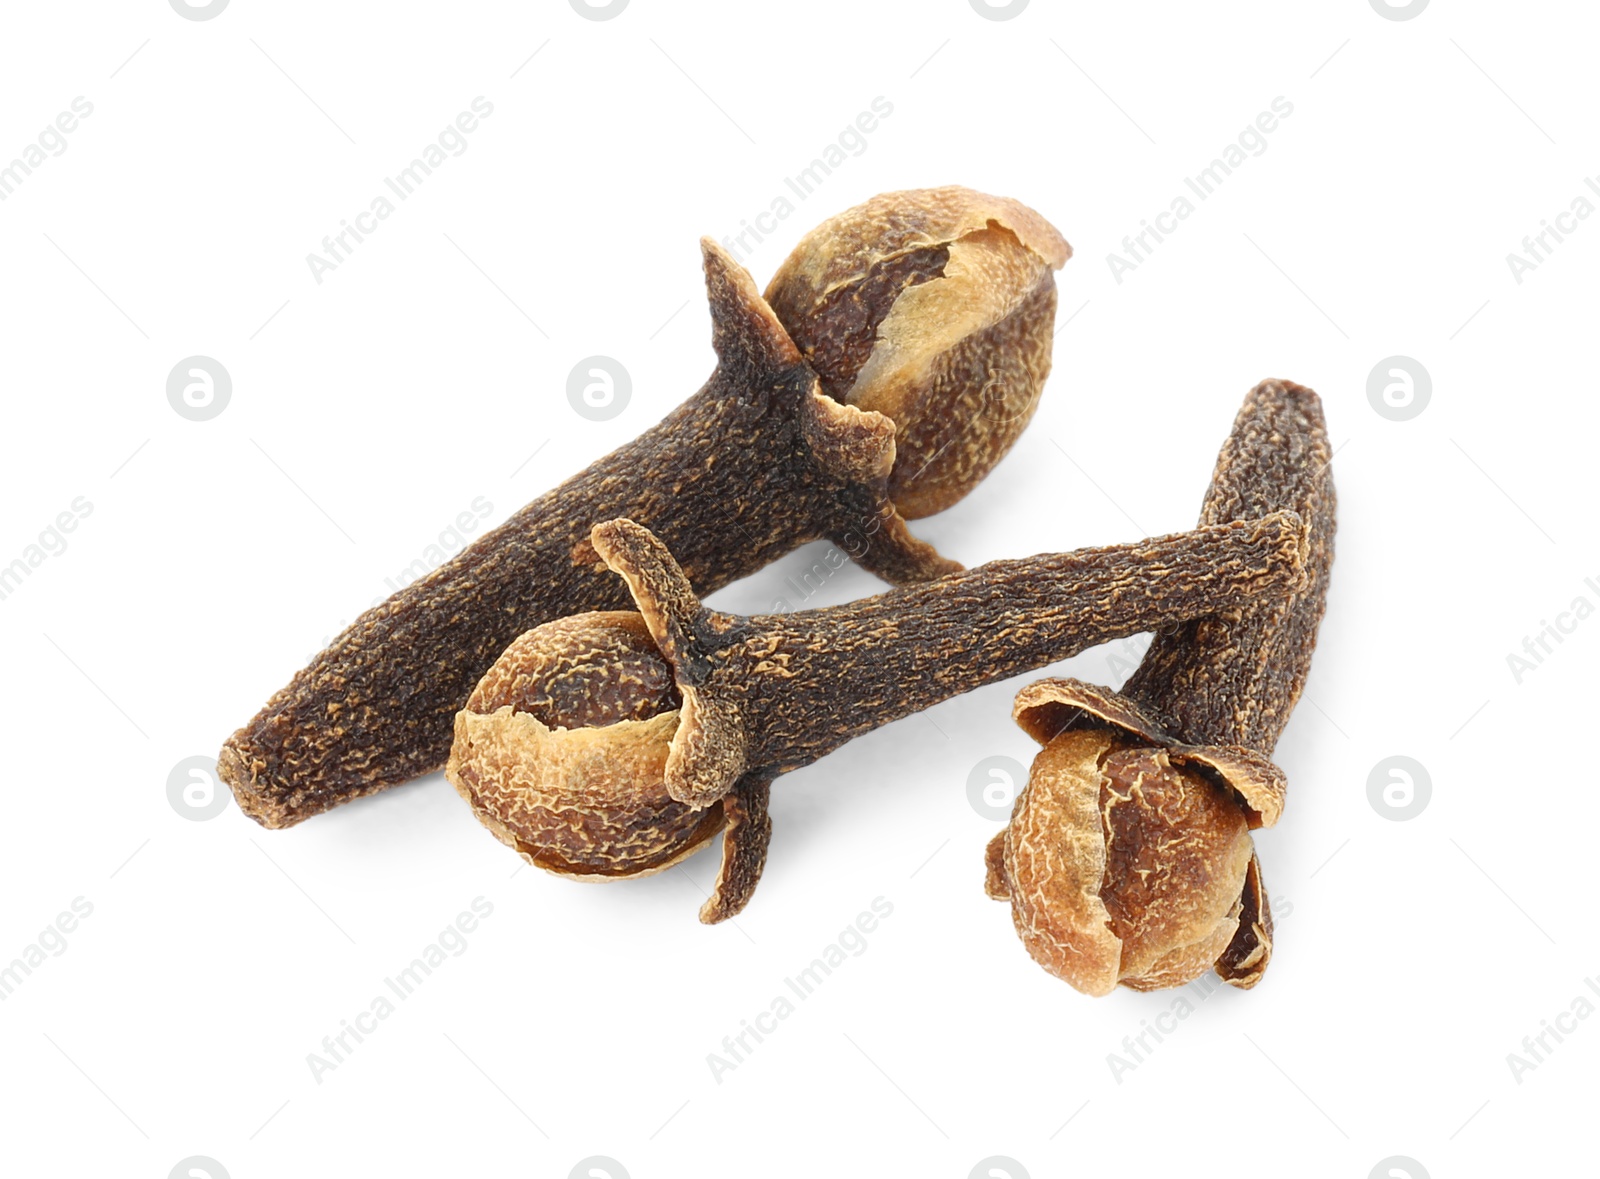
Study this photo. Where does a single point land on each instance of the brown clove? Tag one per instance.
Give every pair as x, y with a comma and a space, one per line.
906, 418
614, 744
1128, 858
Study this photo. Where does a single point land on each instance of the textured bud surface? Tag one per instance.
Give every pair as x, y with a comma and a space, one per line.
936, 308
562, 751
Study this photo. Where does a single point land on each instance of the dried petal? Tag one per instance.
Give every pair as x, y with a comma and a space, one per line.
1177, 848
1245, 960
1055, 863
1046, 708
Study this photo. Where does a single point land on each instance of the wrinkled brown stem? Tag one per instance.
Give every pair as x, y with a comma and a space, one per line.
785, 689
1237, 683
1230, 682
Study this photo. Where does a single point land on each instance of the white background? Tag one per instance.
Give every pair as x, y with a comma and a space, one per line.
370, 409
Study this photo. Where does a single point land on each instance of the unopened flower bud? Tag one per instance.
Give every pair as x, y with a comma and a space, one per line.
562, 750
935, 307
1120, 866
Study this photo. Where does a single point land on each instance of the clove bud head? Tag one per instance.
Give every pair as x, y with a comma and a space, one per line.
936, 308
1120, 866
561, 751
1128, 859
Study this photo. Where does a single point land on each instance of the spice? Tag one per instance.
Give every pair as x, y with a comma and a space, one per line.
1128, 858
933, 356
762, 459
576, 752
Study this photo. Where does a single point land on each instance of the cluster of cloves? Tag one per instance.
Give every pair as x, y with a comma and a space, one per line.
896, 357
1128, 858
893, 360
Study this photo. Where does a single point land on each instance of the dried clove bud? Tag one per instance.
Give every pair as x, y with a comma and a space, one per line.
1128, 858
637, 781
958, 364
761, 460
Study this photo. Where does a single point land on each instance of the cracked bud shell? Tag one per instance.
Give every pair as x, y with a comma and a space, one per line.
1120, 866
561, 751
935, 307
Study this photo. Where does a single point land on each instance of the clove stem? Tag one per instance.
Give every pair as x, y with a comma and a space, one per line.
797, 686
